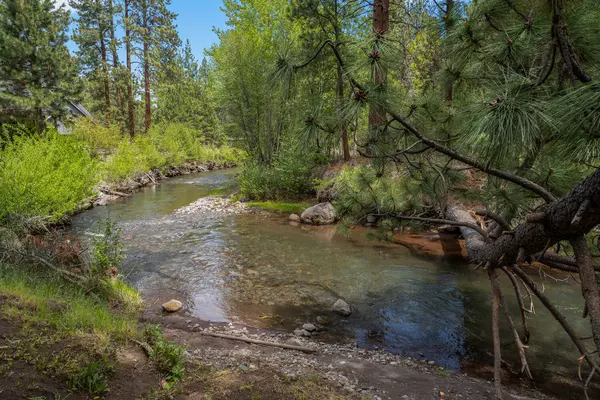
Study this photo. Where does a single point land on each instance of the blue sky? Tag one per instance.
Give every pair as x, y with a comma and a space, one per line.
195, 21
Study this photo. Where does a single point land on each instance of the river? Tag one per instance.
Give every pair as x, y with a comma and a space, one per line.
263, 271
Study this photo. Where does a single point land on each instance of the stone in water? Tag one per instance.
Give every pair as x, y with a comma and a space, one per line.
172, 306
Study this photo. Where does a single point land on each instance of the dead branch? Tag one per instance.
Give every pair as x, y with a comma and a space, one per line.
261, 342
495, 217
522, 308
511, 325
556, 314
496, 334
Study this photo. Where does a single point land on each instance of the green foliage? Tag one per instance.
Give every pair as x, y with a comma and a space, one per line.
98, 139
107, 250
56, 303
36, 70
132, 158
93, 377
361, 192
44, 175
280, 207
168, 356
288, 178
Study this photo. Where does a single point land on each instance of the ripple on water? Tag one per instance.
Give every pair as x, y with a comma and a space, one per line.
265, 272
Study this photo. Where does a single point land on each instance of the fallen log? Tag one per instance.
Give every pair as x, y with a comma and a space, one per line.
260, 342
114, 193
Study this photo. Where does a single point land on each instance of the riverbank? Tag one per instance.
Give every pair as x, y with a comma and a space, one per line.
265, 371
109, 193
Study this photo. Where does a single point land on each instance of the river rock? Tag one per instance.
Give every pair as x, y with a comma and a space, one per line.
302, 332
172, 306
309, 327
294, 342
342, 308
322, 320
320, 214
294, 218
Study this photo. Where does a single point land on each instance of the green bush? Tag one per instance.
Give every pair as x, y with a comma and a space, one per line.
288, 178
98, 139
107, 250
47, 175
132, 158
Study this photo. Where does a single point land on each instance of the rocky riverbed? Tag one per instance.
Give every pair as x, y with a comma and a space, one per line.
355, 372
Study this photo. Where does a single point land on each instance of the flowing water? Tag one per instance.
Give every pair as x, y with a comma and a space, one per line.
263, 271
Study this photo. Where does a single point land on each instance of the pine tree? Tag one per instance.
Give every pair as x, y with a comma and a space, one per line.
37, 74
92, 35
153, 29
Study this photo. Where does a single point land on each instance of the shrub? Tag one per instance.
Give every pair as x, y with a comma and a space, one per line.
47, 175
98, 139
288, 178
107, 251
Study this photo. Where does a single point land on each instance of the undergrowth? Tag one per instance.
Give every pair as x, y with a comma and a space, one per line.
168, 356
49, 175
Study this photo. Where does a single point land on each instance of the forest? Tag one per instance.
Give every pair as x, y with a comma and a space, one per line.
476, 122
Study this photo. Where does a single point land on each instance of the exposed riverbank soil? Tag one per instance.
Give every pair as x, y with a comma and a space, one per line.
344, 370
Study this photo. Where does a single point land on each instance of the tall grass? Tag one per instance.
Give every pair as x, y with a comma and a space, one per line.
49, 175
45, 175
37, 298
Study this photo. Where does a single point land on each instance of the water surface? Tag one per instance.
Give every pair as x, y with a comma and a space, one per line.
263, 271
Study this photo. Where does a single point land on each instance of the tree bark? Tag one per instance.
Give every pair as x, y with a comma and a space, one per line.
146, 62
449, 85
115, 54
104, 64
340, 90
130, 111
589, 285
381, 23
493, 274
553, 223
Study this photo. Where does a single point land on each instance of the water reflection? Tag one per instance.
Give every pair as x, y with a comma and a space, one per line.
264, 271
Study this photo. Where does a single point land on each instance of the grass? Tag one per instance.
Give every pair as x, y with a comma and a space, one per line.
42, 299
280, 207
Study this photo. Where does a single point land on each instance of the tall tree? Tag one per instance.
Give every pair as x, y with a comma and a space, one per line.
94, 20
113, 11
381, 25
37, 73
328, 20
127, 23
154, 30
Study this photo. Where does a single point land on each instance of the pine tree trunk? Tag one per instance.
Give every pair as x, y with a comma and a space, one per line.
381, 22
104, 66
129, 71
340, 91
105, 78
146, 61
448, 85
115, 56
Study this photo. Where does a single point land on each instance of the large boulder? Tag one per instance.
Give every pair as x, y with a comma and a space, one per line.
320, 214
